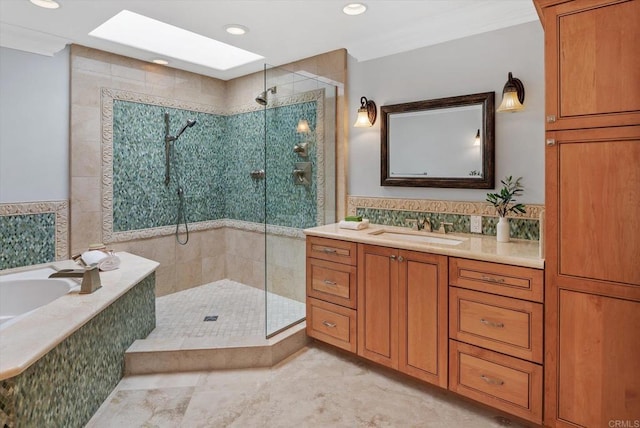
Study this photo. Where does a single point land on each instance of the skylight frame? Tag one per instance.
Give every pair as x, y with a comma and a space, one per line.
166, 40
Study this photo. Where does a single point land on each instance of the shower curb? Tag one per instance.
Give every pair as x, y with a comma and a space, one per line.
150, 356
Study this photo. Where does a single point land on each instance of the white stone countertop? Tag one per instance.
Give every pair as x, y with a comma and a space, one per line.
27, 339
477, 247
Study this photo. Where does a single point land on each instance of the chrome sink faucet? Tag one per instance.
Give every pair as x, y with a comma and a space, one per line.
90, 277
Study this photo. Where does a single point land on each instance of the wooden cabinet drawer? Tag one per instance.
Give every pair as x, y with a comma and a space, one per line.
506, 383
333, 282
332, 250
332, 324
502, 324
505, 280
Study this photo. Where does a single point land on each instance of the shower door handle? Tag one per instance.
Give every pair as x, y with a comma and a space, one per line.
257, 174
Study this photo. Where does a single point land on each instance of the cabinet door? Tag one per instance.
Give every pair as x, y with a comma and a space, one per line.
423, 316
598, 361
378, 304
592, 64
593, 210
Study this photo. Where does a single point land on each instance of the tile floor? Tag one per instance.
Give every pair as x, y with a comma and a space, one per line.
240, 310
317, 387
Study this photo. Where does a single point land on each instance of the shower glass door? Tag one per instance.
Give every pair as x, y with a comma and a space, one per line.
299, 152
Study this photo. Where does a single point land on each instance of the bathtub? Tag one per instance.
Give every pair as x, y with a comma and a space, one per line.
23, 292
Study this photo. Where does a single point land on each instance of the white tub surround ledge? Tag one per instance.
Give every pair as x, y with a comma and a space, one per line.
476, 247
31, 337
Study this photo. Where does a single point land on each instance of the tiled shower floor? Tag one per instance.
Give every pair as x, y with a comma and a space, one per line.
240, 310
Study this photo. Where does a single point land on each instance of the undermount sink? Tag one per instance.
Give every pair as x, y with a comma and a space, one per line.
416, 237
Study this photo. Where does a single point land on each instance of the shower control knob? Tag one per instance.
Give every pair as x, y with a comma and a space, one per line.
257, 174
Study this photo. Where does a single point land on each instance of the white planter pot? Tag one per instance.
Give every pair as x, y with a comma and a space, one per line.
502, 230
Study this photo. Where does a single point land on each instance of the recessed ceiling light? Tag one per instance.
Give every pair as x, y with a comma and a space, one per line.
354, 9
169, 41
236, 30
47, 4
160, 61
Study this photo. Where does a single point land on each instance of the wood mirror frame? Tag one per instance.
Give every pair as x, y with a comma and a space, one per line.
485, 181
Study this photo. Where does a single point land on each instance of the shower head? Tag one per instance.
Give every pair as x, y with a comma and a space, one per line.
262, 98
189, 124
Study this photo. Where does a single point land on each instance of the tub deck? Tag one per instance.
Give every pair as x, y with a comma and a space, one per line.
49, 325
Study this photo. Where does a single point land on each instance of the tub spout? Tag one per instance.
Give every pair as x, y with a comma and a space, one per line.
90, 277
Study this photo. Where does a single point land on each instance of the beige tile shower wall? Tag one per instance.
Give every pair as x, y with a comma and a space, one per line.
181, 267
285, 262
245, 257
201, 261
286, 267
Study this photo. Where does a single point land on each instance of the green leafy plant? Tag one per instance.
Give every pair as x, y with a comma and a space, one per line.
504, 202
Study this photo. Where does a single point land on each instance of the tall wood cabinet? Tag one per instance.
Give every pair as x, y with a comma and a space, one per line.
592, 295
402, 311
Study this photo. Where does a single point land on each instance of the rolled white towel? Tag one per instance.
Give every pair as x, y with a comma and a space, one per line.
354, 225
105, 261
111, 262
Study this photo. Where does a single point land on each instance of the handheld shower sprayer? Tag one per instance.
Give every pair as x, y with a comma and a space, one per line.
168, 139
189, 124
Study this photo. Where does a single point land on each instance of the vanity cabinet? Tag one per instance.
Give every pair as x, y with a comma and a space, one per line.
474, 327
592, 194
331, 292
496, 335
592, 61
402, 311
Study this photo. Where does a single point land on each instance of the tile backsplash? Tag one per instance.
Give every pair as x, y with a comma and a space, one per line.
396, 212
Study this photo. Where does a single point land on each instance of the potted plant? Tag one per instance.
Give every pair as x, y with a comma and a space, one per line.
504, 203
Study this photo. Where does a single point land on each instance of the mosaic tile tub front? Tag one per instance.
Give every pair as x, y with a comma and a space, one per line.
66, 386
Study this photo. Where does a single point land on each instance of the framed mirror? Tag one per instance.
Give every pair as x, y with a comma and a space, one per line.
446, 142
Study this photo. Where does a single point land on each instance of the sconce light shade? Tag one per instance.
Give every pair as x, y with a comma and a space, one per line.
303, 127
367, 114
512, 95
476, 142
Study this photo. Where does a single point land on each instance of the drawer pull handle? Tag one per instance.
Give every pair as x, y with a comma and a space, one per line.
492, 323
492, 279
330, 250
327, 282
492, 380
329, 324
392, 256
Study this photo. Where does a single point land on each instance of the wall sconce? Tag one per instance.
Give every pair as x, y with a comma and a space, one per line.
303, 127
367, 114
512, 95
476, 141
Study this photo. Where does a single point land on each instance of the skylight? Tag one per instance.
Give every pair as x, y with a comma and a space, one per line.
141, 32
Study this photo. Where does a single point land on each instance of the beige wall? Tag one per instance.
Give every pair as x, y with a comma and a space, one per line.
210, 254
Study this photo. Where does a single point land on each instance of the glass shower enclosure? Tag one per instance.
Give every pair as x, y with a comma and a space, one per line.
298, 181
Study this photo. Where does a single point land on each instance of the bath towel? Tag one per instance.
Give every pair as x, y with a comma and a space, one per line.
105, 261
354, 225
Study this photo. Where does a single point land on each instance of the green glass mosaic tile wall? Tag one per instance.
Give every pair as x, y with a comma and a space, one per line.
289, 204
27, 239
140, 198
520, 228
211, 161
66, 386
